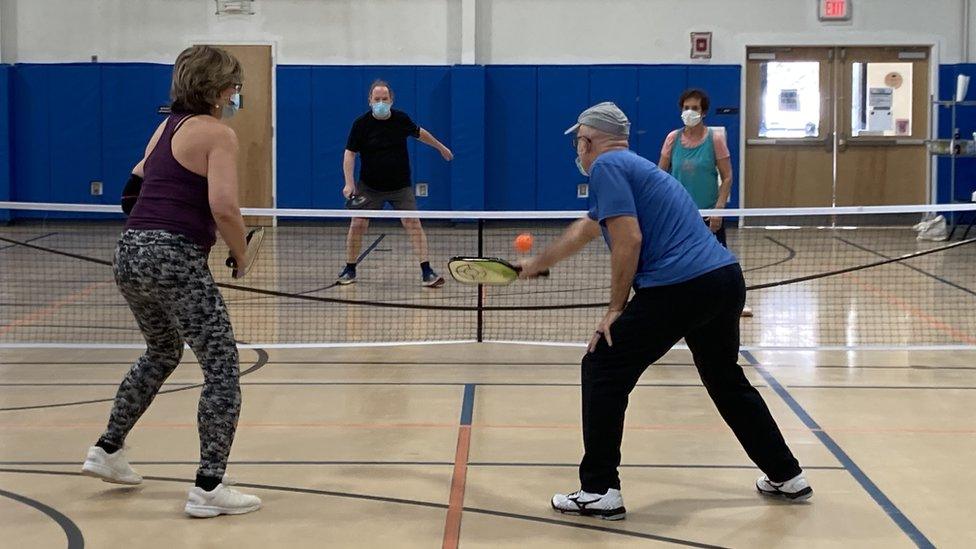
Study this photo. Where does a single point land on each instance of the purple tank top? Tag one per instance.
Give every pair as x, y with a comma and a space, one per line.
173, 198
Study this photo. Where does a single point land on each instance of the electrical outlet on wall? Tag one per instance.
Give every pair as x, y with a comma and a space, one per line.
421, 189
583, 190
96, 188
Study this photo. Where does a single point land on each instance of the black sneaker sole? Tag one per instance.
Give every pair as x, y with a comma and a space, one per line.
619, 513
802, 495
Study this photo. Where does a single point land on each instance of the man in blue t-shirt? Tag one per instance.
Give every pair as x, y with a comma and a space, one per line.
686, 285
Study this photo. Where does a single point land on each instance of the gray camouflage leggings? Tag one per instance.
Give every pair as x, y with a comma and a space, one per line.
169, 288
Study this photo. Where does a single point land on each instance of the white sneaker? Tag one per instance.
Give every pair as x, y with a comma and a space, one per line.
221, 501
746, 311
109, 467
795, 489
609, 506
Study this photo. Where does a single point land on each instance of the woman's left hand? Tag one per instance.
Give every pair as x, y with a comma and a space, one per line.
714, 223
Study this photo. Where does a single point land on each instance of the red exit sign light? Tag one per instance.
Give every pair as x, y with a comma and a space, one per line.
835, 10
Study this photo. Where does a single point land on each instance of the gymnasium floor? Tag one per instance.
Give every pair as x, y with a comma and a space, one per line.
420, 446
462, 444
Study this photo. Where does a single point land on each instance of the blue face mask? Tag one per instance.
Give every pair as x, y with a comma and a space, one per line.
579, 166
381, 109
231, 109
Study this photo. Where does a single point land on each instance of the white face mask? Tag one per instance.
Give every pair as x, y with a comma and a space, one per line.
691, 118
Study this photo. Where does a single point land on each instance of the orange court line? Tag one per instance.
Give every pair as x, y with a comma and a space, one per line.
452, 526
53, 307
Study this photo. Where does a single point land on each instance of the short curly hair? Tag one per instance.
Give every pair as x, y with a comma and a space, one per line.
199, 75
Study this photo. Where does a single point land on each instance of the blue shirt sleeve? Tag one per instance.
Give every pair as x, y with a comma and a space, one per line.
611, 192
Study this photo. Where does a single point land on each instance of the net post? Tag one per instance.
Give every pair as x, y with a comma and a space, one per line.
480, 336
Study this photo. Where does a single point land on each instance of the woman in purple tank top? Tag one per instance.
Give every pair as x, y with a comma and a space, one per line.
188, 193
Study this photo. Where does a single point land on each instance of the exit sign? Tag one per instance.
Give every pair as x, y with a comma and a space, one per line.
834, 10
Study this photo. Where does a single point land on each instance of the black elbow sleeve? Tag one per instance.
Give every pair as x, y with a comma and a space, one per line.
130, 193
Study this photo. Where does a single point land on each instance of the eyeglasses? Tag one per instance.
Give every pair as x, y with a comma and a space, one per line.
576, 140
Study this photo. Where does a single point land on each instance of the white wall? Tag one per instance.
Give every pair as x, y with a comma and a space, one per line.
306, 31
482, 31
658, 31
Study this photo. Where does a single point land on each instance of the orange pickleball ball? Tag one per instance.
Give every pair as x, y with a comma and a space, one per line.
523, 242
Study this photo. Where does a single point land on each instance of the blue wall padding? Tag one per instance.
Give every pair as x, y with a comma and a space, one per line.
433, 113
294, 137
660, 87
78, 123
75, 155
130, 95
966, 123
563, 93
510, 134
5, 190
338, 98
468, 140
31, 142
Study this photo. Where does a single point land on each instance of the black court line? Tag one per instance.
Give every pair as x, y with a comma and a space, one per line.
359, 259
187, 385
486, 464
493, 363
252, 462
416, 503
845, 270
587, 526
75, 539
879, 497
258, 364
790, 254
969, 291
8, 246
750, 467
359, 362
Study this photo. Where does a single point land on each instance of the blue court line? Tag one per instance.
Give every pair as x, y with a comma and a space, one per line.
859, 475
370, 248
467, 405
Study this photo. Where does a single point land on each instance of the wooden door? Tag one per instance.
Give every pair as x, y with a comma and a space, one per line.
254, 131
884, 120
789, 127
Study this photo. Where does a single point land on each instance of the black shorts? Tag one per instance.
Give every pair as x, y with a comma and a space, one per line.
400, 199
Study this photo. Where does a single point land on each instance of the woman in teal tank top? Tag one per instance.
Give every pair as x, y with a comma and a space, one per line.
698, 156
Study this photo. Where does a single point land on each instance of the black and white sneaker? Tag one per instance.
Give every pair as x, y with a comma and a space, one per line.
609, 506
432, 280
795, 489
347, 276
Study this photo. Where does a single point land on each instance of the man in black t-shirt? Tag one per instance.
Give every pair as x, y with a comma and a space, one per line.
379, 137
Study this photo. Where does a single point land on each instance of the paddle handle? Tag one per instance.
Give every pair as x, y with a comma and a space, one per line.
518, 269
231, 262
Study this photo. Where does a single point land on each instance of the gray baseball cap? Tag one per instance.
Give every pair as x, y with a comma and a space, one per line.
606, 117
